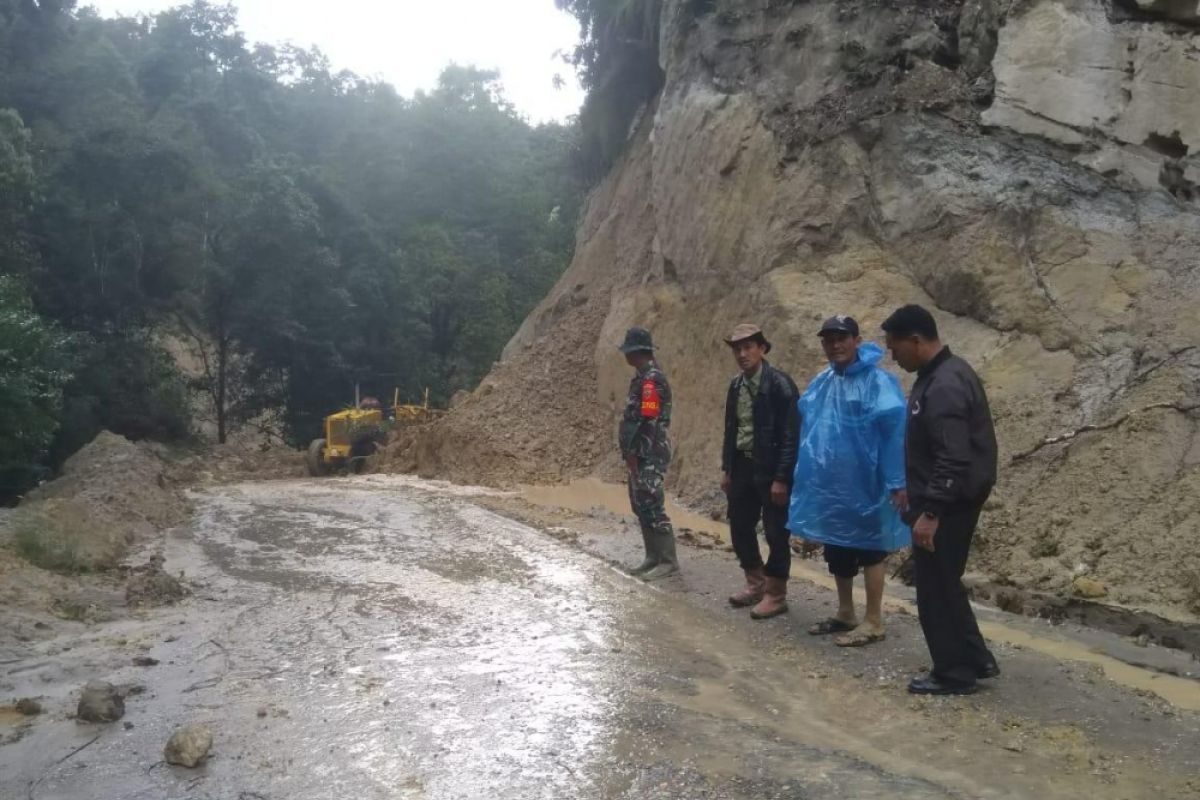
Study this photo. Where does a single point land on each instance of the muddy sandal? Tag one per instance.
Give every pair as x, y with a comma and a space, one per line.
831, 625
857, 638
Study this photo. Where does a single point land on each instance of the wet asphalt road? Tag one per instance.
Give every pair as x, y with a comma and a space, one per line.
349, 640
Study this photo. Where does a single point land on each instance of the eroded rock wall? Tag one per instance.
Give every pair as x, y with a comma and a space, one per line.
1026, 168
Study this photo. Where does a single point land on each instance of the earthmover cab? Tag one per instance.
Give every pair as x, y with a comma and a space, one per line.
355, 433
350, 436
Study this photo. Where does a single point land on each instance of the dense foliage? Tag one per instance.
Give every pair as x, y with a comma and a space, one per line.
294, 229
34, 364
618, 63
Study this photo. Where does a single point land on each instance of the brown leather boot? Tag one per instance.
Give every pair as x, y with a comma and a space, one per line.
753, 591
774, 600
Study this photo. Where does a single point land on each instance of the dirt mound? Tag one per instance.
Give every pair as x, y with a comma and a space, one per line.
234, 462
111, 494
498, 436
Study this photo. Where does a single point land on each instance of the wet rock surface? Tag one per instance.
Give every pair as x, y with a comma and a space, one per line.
188, 746
358, 638
28, 706
100, 702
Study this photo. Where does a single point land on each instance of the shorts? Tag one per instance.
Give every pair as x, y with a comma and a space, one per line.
844, 562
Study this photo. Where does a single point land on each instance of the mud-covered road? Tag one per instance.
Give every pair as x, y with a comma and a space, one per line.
355, 640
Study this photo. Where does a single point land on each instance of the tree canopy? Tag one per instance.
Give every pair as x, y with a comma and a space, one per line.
301, 229
618, 63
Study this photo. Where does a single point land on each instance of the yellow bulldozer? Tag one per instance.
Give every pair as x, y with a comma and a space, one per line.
353, 434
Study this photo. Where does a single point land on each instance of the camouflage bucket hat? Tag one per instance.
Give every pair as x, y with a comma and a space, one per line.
637, 340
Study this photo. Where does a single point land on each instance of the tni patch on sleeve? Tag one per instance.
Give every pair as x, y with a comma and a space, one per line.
651, 402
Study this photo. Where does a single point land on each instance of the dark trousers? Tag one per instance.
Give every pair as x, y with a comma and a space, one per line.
750, 501
955, 643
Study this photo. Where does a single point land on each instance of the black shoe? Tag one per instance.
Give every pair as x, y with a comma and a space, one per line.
932, 685
992, 670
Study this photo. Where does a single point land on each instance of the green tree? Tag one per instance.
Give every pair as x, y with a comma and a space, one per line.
618, 63
17, 187
35, 365
311, 229
125, 382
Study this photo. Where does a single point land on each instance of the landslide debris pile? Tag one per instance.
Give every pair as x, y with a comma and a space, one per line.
1028, 168
237, 461
111, 494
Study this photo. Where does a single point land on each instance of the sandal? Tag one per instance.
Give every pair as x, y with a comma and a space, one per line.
831, 625
859, 638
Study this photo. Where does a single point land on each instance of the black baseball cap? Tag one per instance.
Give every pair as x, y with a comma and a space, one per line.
839, 324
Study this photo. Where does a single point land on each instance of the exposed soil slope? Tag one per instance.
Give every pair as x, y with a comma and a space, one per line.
1027, 168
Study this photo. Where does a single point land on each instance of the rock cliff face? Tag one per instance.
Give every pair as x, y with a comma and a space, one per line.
1028, 168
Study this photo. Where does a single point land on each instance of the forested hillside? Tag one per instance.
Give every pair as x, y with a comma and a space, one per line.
294, 228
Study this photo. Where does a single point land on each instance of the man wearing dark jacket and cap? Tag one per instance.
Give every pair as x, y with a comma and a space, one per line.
950, 469
758, 459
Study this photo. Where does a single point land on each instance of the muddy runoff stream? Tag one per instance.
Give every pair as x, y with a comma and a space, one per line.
351, 639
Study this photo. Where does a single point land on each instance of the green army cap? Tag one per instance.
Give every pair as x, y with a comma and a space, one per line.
637, 340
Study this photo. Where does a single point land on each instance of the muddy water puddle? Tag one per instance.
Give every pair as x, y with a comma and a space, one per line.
369, 638
10, 717
591, 494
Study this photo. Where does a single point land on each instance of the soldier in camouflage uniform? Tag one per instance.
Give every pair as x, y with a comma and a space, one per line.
646, 449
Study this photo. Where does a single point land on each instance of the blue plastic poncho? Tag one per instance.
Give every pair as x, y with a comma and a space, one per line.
851, 457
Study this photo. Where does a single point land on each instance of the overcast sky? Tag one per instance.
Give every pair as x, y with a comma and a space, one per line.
407, 42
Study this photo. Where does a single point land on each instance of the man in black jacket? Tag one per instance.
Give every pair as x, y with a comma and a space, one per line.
762, 431
950, 466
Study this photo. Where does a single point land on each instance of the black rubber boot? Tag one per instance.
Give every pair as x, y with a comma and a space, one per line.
668, 562
651, 560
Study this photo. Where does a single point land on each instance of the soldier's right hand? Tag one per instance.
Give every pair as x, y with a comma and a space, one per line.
726, 482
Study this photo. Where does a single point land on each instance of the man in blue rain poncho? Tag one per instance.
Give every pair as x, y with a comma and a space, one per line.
849, 485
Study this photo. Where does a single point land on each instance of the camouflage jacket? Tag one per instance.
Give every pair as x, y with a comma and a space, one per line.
647, 416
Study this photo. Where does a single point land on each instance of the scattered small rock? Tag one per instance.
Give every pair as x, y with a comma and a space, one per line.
128, 726
262, 712
1167, 640
1010, 600
150, 585
1089, 588
188, 746
145, 661
100, 702
29, 707
78, 610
